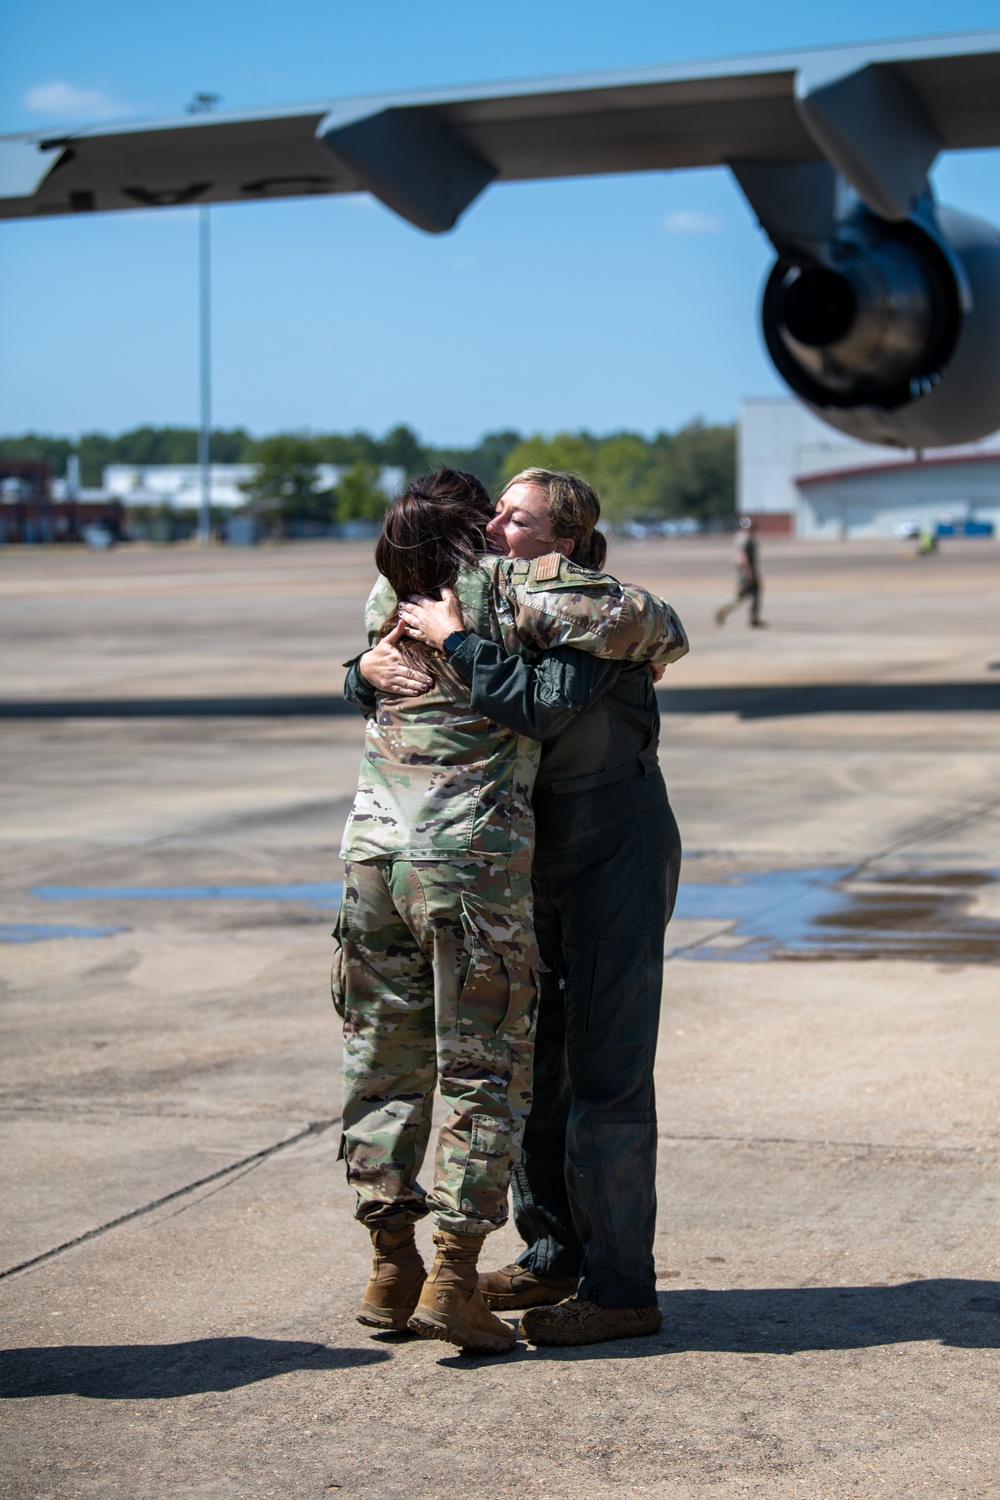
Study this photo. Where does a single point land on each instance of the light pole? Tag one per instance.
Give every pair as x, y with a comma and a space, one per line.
202, 104
205, 351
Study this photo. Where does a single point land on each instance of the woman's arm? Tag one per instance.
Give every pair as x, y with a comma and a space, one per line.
540, 700
537, 700
357, 689
382, 668
551, 602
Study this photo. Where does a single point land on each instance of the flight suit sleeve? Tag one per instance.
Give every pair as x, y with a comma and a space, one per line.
535, 700
358, 691
551, 602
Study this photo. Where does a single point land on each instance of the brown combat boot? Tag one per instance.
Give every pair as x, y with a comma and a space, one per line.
578, 1322
451, 1306
514, 1287
397, 1277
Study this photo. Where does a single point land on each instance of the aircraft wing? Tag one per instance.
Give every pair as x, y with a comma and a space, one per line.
427, 155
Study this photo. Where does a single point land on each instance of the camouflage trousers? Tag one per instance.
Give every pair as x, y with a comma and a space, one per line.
434, 973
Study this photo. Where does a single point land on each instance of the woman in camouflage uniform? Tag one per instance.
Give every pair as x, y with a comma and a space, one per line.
435, 966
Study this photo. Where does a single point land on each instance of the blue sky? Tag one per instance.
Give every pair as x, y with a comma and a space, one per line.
600, 303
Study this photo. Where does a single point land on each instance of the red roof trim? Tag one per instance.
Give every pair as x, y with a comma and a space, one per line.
897, 467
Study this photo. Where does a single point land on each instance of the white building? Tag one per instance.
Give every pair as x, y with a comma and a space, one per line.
797, 476
178, 486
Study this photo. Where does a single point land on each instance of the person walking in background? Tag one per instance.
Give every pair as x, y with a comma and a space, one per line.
748, 579
435, 957
607, 862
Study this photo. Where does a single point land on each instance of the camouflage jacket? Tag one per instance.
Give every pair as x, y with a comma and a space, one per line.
439, 780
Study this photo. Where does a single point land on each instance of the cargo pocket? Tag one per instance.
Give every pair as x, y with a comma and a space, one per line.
485, 995
487, 1170
337, 974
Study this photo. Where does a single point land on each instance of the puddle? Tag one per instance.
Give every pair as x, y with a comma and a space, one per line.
833, 913
40, 932
826, 913
313, 893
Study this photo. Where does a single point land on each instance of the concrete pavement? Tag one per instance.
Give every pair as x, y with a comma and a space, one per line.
827, 1249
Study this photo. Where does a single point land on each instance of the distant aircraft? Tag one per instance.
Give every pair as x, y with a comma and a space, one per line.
882, 310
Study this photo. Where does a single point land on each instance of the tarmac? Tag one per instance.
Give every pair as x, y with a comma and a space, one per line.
180, 1266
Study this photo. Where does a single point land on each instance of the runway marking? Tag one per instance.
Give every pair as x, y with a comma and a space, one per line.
318, 1127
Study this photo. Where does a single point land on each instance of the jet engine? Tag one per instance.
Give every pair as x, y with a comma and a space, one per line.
892, 332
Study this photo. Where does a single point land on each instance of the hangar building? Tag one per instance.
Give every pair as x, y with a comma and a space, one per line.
798, 477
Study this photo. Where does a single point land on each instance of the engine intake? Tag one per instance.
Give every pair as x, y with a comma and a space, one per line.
875, 329
891, 332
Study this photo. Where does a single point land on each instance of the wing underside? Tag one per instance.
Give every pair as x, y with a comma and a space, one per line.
428, 155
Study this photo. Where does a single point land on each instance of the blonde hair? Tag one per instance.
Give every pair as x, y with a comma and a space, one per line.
574, 508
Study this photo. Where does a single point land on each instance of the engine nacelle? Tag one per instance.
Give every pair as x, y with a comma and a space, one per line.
895, 336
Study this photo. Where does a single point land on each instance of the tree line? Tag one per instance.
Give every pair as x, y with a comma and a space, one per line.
690, 472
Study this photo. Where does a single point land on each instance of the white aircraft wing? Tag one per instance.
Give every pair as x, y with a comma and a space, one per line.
428, 155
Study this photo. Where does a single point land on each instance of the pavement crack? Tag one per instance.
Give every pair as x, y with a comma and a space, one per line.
234, 1176
927, 832
247, 1163
826, 1143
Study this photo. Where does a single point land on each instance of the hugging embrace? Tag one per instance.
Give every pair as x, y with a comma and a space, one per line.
511, 864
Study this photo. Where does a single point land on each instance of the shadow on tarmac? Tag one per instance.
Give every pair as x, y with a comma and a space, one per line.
790, 1320
783, 1320
281, 706
746, 702
155, 1372
833, 698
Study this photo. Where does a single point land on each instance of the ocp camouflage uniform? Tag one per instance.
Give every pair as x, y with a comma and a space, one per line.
435, 962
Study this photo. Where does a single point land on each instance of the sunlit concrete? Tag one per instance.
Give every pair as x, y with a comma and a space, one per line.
829, 1130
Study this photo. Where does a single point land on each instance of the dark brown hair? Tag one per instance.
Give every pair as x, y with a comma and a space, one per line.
431, 529
574, 508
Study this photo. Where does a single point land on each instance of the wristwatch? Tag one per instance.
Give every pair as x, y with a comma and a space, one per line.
451, 643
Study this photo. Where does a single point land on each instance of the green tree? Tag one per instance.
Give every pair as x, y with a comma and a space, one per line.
53, 451
346, 448
486, 460
232, 446
619, 466
567, 451
159, 445
696, 472
358, 495
688, 473
96, 450
402, 449
283, 486
691, 472
624, 475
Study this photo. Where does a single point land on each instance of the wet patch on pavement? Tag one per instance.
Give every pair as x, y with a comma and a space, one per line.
833, 912
844, 913
41, 932
312, 893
